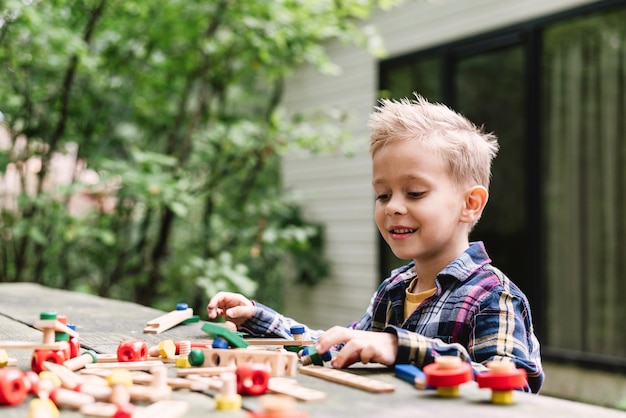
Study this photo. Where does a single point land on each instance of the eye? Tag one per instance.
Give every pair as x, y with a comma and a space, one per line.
383, 197
416, 195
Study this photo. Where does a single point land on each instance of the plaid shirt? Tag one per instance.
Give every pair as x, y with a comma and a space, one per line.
476, 314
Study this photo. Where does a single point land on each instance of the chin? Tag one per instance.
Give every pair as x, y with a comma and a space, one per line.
402, 255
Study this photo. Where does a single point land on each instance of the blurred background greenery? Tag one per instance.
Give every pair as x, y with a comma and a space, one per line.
140, 144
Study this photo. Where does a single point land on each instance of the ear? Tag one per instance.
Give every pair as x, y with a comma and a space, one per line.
475, 201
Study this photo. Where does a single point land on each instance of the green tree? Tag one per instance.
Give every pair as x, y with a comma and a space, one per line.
168, 114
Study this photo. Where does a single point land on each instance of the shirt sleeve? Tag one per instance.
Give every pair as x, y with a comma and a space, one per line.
500, 331
266, 322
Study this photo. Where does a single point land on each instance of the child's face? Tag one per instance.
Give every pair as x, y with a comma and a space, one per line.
418, 205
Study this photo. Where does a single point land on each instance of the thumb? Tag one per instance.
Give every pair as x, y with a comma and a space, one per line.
240, 312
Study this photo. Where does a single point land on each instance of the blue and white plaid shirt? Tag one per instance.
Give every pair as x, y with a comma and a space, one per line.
476, 314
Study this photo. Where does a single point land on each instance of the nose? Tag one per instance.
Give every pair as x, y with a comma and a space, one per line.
395, 206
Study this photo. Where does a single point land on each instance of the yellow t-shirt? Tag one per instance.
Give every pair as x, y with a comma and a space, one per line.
413, 300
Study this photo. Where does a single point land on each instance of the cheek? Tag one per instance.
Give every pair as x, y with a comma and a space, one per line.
379, 215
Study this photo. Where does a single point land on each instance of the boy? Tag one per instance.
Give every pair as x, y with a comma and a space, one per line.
431, 173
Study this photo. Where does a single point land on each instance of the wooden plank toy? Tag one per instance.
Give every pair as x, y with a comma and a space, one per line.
278, 341
347, 378
169, 320
412, 374
128, 365
274, 406
290, 387
27, 345
166, 408
206, 371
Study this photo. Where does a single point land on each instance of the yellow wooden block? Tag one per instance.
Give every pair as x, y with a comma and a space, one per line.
167, 349
182, 362
4, 358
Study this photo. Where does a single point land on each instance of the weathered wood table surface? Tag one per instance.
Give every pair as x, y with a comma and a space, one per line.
103, 323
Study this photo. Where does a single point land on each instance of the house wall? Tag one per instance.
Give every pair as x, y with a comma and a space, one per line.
335, 190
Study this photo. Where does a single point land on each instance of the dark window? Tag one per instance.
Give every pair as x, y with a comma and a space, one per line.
554, 92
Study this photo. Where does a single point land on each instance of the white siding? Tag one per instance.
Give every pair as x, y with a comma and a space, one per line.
336, 190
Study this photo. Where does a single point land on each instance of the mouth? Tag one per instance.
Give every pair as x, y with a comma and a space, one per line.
401, 231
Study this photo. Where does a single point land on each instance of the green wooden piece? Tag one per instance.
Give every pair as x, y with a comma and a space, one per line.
233, 338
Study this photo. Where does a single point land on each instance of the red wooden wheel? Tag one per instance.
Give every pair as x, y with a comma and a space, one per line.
53, 356
501, 380
447, 373
13, 386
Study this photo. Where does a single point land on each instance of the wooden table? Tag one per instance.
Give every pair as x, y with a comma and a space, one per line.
103, 323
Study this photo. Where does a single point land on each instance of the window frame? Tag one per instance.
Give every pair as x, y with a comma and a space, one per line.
527, 34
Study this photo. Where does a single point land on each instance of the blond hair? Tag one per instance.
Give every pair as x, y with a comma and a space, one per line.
467, 150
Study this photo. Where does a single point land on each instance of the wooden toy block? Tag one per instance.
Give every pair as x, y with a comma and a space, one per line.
183, 354
290, 387
42, 408
218, 330
228, 399
81, 361
106, 358
311, 356
278, 341
4, 358
446, 374
347, 378
41, 356
132, 351
165, 349
213, 383
120, 380
68, 378
65, 398
169, 409
198, 385
281, 363
54, 325
157, 389
98, 410
131, 365
206, 371
168, 320
194, 344
13, 386
196, 357
502, 378
411, 374
252, 379
27, 345
276, 406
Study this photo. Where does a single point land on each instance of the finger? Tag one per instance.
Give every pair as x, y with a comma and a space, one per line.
367, 354
240, 312
219, 299
332, 337
349, 354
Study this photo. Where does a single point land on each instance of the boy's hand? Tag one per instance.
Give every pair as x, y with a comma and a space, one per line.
236, 308
363, 346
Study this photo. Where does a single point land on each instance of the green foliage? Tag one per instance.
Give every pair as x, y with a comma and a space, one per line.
174, 109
